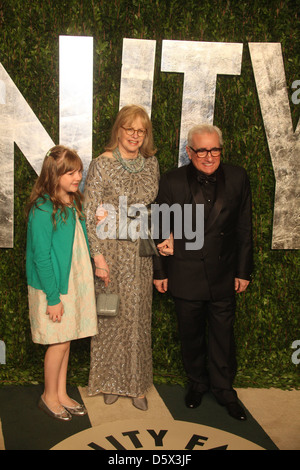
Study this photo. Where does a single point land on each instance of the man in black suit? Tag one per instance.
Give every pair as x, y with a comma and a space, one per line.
204, 281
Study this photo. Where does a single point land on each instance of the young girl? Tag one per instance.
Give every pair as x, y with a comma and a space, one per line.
59, 274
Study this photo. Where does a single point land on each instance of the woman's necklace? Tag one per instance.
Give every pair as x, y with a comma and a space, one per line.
134, 165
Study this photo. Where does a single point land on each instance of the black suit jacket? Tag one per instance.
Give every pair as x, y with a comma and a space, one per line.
208, 273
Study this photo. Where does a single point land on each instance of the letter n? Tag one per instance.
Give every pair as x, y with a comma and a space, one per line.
18, 124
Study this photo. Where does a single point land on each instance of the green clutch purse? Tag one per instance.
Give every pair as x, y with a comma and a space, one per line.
107, 304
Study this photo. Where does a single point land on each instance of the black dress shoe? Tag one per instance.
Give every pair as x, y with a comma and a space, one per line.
236, 411
193, 398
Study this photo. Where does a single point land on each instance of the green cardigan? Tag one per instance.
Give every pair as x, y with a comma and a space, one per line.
49, 250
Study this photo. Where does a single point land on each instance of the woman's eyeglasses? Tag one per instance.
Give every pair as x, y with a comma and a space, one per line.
131, 131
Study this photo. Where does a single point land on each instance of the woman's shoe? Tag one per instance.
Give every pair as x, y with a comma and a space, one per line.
109, 398
64, 415
77, 410
140, 403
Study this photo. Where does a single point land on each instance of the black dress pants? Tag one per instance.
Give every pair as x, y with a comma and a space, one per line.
208, 347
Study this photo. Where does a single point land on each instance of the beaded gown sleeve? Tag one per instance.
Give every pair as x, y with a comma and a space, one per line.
93, 196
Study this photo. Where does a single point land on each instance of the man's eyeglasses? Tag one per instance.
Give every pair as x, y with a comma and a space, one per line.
202, 153
131, 131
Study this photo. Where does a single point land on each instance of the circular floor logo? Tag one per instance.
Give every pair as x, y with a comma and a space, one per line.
151, 435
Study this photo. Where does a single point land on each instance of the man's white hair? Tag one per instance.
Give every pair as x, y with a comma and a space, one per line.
204, 129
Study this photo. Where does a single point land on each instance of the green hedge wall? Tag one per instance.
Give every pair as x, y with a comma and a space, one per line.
268, 314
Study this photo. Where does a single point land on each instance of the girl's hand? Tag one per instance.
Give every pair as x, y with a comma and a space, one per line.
102, 269
55, 312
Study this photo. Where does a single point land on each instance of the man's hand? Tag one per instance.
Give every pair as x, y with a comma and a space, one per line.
240, 285
161, 285
166, 248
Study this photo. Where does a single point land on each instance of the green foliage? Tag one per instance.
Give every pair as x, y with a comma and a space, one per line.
268, 314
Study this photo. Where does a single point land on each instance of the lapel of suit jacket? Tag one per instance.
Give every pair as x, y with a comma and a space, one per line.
194, 185
198, 196
220, 191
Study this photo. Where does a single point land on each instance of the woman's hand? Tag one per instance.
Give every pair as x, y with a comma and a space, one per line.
101, 214
102, 269
55, 312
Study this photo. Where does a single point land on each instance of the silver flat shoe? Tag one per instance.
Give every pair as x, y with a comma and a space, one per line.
109, 398
77, 410
140, 403
64, 415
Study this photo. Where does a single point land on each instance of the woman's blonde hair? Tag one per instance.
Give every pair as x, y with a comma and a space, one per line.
125, 117
58, 161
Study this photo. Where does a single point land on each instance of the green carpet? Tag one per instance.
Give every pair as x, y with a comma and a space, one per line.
26, 427
210, 413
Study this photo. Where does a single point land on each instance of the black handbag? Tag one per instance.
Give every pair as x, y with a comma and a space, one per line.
147, 247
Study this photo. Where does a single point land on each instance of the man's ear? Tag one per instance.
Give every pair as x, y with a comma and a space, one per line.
188, 151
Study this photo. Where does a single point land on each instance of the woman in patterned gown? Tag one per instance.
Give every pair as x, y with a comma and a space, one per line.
121, 354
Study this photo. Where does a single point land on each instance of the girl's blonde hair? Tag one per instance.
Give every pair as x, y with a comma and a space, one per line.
58, 161
125, 117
